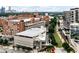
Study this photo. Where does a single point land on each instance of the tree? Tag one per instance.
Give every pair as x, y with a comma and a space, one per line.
5, 42
53, 20
50, 35
67, 47
18, 46
11, 39
1, 29
1, 41
53, 41
52, 26
51, 29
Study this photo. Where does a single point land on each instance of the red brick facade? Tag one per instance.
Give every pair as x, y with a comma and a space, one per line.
10, 28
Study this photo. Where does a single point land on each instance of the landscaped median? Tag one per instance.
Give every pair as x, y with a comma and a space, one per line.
57, 39
53, 35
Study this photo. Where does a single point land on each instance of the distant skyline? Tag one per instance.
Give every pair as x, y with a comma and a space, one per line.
40, 8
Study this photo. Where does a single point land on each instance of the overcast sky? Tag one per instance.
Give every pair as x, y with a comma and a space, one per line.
40, 5
40, 8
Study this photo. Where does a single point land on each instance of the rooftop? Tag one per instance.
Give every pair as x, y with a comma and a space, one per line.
16, 20
74, 8
32, 32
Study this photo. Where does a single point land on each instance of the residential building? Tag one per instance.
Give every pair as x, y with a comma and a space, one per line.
75, 14
15, 24
66, 19
71, 23
2, 10
10, 10
74, 30
71, 16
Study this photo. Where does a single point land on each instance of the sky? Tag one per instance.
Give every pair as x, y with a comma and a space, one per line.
40, 5
39, 2
41, 9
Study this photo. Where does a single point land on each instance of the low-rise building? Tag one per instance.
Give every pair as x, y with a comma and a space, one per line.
33, 37
18, 23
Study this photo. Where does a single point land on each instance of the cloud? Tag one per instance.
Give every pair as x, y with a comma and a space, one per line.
42, 9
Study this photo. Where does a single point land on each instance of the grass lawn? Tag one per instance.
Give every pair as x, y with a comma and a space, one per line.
58, 40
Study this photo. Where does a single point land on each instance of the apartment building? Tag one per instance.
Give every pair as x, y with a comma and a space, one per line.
15, 24
71, 22
75, 14
11, 28
67, 18
74, 30
71, 16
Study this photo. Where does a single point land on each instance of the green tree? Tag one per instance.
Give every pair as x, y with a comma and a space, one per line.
50, 35
52, 26
18, 46
1, 40
1, 29
67, 47
53, 41
51, 29
5, 42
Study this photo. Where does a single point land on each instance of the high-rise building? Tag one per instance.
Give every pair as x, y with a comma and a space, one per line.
71, 16
2, 10
10, 10
75, 14
71, 22
67, 18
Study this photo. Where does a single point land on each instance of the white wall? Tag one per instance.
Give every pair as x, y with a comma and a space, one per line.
28, 42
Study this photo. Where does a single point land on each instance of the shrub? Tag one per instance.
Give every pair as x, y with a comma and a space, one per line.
67, 47
1, 41
5, 42
53, 41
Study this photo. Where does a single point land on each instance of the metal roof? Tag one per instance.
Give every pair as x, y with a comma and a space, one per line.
31, 32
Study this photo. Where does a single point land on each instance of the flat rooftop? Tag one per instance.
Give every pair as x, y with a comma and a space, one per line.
16, 20
33, 32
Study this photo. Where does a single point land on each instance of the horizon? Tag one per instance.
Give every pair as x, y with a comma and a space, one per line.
40, 8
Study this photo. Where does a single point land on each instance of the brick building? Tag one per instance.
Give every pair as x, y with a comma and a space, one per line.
15, 24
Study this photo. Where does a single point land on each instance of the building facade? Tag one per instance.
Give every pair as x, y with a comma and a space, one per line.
71, 22
30, 37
